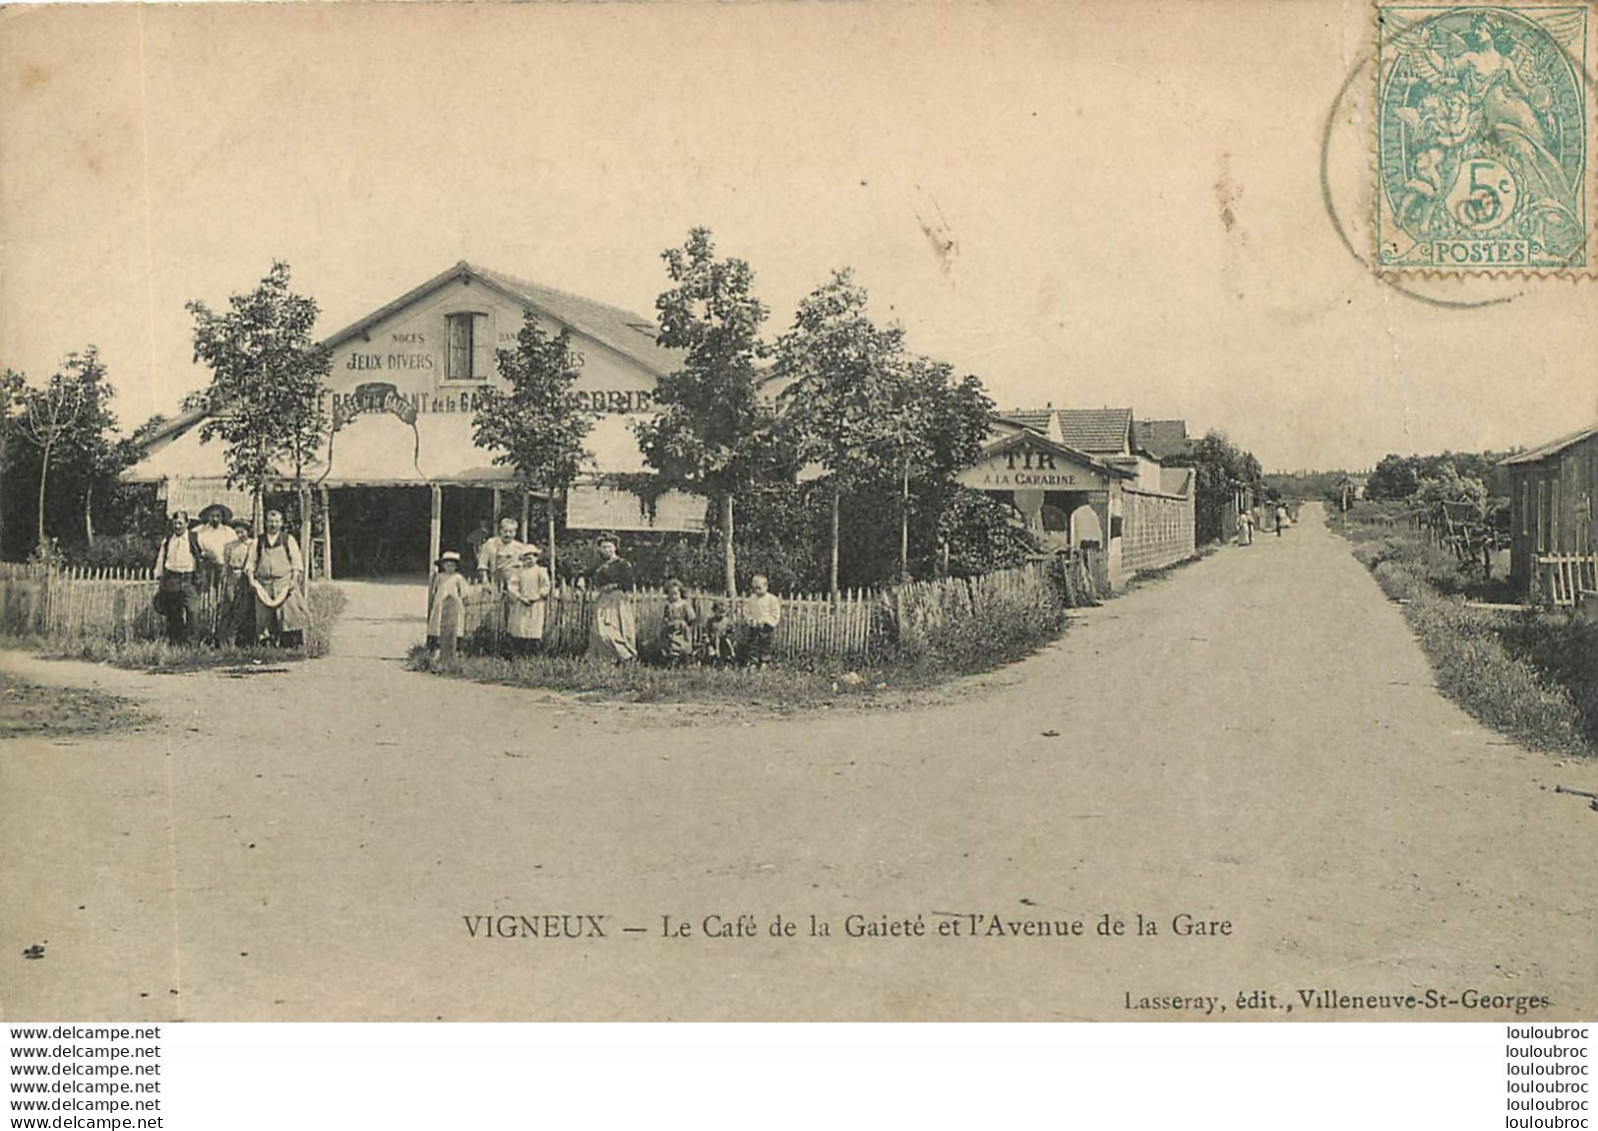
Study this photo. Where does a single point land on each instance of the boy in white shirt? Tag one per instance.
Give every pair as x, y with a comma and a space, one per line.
763, 612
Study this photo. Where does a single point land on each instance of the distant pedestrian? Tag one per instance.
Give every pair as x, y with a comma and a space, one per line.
178, 579
1245, 528
1281, 518
615, 633
763, 612
527, 590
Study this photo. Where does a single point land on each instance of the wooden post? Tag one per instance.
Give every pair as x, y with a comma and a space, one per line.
496, 510
549, 514
449, 620
434, 527
309, 551
327, 535
832, 567
527, 514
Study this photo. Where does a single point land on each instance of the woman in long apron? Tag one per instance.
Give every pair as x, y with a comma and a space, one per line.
615, 633
276, 570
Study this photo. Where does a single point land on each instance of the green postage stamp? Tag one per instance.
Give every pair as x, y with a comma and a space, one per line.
1483, 117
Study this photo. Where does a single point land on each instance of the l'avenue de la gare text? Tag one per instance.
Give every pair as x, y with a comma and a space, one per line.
935, 925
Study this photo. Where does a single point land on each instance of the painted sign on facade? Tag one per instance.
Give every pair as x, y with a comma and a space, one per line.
1025, 467
440, 354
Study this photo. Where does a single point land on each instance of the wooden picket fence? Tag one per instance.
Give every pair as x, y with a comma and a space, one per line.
77, 603
1561, 577
811, 624
857, 623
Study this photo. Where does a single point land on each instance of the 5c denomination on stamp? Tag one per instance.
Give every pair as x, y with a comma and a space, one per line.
1482, 126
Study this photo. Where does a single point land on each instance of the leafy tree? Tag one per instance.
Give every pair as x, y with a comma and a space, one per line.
713, 434
537, 427
93, 457
1395, 477
1449, 486
980, 537
843, 374
70, 423
954, 417
267, 372
49, 416
1221, 468
12, 407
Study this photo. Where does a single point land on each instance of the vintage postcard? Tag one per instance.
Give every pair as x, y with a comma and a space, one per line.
878, 511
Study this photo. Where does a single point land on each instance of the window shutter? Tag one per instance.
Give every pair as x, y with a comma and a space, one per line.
482, 337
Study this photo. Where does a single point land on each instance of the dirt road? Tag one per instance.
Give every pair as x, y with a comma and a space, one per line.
1254, 740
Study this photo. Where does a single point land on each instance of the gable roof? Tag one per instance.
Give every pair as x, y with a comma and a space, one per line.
1036, 419
1553, 447
1096, 429
1161, 438
998, 445
629, 334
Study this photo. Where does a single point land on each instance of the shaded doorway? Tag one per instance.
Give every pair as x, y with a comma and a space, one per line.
379, 531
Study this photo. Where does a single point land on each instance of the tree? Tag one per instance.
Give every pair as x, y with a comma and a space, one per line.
12, 407
1221, 469
65, 419
537, 427
842, 372
954, 417
265, 398
1396, 477
713, 434
91, 457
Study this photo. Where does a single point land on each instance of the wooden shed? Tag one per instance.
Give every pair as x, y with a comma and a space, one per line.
1552, 551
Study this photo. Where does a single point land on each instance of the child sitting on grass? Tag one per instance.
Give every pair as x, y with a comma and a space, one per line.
718, 647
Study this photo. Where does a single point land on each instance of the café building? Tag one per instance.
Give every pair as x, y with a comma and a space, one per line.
401, 476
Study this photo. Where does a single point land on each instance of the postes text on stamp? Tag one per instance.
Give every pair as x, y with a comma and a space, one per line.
1482, 120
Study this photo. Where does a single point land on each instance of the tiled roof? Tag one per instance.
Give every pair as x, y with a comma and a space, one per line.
999, 443
1036, 419
1096, 430
1554, 447
1161, 438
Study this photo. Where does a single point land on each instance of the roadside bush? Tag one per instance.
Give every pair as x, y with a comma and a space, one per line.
1525, 675
968, 624
122, 551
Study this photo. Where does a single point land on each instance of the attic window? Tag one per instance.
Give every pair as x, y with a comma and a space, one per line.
465, 338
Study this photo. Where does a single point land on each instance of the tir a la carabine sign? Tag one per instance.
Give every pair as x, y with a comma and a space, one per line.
1029, 466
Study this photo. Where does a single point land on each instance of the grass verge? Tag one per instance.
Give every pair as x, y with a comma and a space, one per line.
1527, 674
779, 686
947, 642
